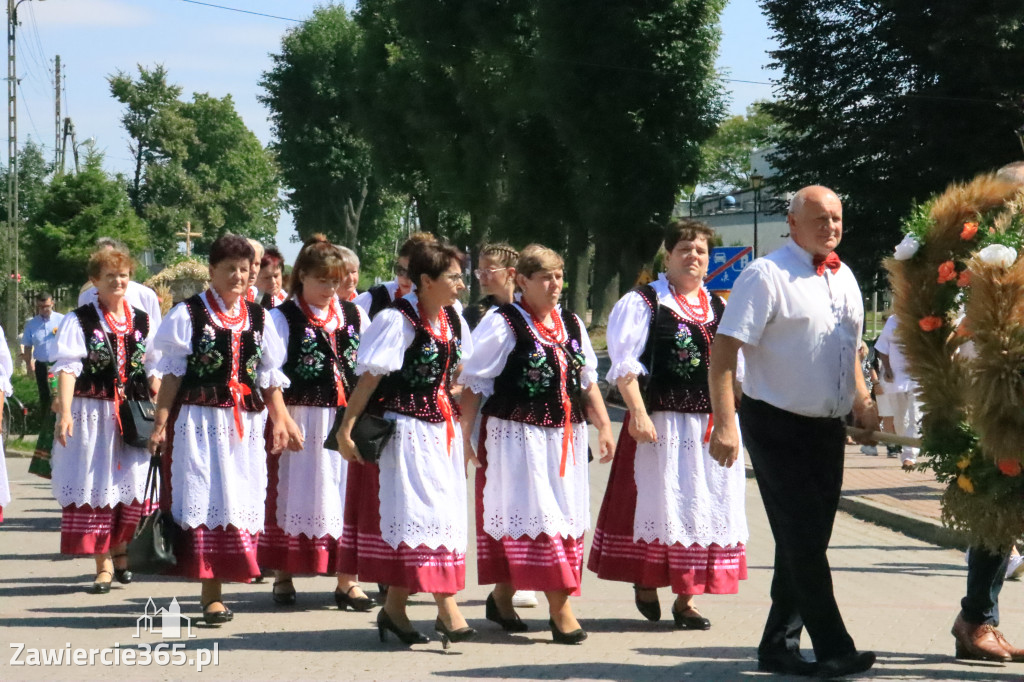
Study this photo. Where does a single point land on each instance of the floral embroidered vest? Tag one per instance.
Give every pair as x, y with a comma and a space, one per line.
678, 380
310, 363
206, 376
413, 389
528, 389
379, 300
98, 366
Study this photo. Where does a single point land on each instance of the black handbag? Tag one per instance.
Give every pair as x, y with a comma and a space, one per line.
151, 549
369, 433
136, 416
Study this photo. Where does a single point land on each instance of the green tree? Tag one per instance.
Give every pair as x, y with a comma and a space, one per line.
726, 156
888, 103
76, 210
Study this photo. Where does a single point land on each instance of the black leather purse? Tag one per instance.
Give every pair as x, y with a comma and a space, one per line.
369, 433
136, 416
151, 549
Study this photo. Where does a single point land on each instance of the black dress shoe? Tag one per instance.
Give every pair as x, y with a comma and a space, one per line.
345, 601
513, 624
385, 625
101, 586
789, 663
559, 637
651, 610
447, 636
694, 621
217, 617
122, 575
285, 597
850, 664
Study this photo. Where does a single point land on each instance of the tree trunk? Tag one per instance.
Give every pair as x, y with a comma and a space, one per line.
578, 261
352, 213
426, 213
606, 280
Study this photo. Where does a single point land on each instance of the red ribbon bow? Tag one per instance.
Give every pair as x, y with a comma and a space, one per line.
831, 261
238, 390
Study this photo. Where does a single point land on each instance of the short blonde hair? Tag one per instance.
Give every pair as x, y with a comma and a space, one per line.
257, 249
109, 258
537, 258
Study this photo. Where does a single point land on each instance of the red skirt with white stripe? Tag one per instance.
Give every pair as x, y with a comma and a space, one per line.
364, 553
546, 564
295, 554
94, 530
615, 555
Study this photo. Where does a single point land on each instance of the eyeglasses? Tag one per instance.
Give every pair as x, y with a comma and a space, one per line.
489, 272
454, 277
401, 271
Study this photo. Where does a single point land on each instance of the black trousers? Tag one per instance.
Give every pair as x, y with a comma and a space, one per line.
798, 463
43, 385
985, 573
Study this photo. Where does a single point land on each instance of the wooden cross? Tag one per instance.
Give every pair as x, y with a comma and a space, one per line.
188, 234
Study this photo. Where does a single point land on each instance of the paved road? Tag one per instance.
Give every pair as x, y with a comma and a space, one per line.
898, 595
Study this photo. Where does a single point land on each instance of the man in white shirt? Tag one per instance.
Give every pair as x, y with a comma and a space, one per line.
898, 398
797, 314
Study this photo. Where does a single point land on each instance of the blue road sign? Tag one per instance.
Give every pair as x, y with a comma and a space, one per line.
726, 264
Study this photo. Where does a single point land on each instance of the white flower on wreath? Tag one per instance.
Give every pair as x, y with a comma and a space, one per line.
998, 255
906, 249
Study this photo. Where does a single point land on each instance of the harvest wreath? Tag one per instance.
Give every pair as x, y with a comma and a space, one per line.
958, 292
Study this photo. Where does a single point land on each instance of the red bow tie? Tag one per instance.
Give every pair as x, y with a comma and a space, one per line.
831, 261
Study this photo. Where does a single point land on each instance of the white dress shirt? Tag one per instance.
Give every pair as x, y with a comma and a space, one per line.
888, 343
138, 296
800, 332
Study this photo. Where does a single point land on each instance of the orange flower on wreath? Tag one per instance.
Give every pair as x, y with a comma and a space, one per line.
965, 483
1009, 467
970, 229
947, 272
930, 323
964, 279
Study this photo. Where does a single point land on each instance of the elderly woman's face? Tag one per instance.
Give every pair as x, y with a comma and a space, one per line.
542, 289
349, 282
230, 277
113, 281
688, 259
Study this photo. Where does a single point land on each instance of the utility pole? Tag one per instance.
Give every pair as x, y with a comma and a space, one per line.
57, 119
12, 171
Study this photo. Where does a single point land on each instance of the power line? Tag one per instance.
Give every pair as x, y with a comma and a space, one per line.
29, 112
243, 11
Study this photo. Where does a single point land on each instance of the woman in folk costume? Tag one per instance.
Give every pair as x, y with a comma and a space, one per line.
6, 389
270, 291
671, 516
221, 364
411, 519
535, 366
306, 491
381, 296
97, 479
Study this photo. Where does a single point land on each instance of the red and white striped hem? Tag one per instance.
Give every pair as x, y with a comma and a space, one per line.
226, 554
546, 564
94, 530
298, 555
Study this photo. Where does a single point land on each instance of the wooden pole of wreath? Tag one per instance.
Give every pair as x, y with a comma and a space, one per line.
882, 437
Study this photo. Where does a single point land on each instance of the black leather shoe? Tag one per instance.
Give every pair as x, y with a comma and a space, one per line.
284, 597
850, 664
101, 586
513, 624
559, 637
385, 625
448, 636
345, 600
122, 575
694, 621
217, 617
651, 610
789, 663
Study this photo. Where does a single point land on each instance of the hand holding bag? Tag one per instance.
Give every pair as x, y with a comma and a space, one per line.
370, 434
151, 549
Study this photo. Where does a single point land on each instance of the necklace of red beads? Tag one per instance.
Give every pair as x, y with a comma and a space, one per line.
555, 333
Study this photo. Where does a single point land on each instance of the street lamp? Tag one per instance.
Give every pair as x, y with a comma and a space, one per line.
756, 181
13, 217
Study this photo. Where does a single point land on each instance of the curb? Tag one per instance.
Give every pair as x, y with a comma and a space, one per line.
925, 530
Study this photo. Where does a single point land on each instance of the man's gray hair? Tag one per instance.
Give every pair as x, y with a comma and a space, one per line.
109, 243
1012, 172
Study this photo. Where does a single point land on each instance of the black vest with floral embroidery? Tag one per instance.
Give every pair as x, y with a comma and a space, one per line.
98, 368
207, 375
310, 363
528, 389
427, 368
678, 380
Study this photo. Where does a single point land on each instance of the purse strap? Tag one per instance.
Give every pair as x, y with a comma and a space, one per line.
152, 486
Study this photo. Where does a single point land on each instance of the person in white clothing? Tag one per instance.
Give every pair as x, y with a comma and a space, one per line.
98, 479
6, 389
380, 296
221, 366
671, 516
252, 293
898, 399
798, 315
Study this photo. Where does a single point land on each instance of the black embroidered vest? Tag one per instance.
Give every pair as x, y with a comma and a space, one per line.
207, 375
528, 389
379, 300
99, 366
678, 380
311, 359
413, 390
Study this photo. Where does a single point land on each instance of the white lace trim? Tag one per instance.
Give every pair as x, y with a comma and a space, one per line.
154, 374
170, 364
216, 479
423, 487
684, 496
524, 493
375, 370
625, 368
96, 467
311, 483
68, 366
479, 385
272, 377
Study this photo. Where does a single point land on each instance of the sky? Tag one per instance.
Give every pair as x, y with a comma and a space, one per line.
221, 52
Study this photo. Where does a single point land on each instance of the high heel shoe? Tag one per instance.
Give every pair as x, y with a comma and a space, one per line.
101, 587
283, 598
122, 575
513, 624
559, 637
384, 624
447, 636
344, 600
694, 622
651, 610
